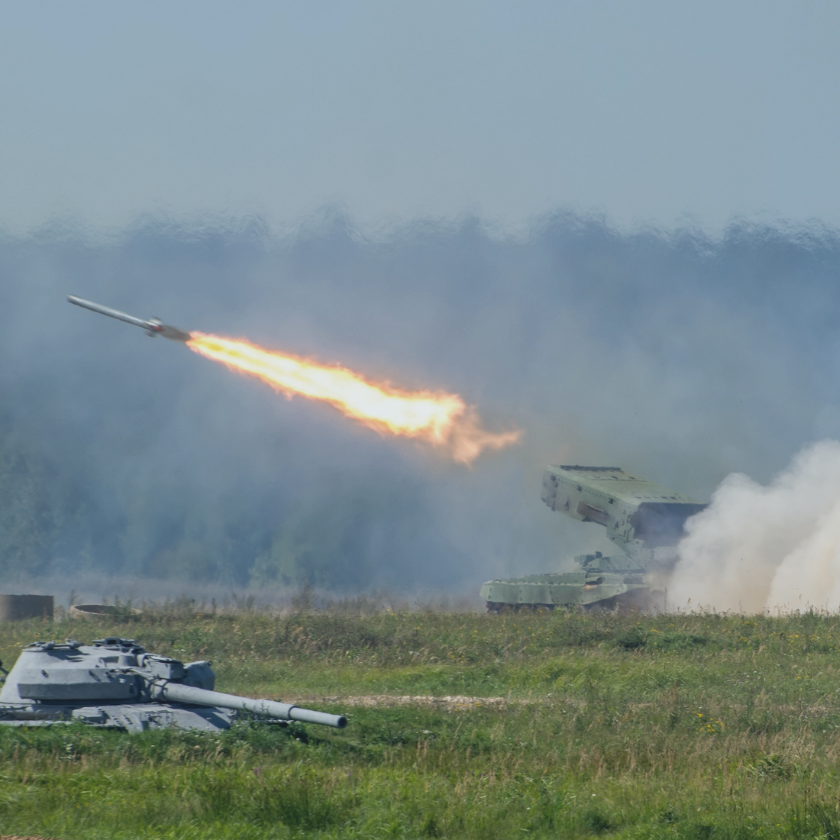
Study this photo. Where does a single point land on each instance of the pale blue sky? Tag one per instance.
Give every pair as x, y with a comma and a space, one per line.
650, 112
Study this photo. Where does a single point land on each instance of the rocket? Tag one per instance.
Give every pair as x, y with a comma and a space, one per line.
153, 326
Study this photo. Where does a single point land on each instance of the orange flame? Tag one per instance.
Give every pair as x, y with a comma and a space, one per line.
442, 419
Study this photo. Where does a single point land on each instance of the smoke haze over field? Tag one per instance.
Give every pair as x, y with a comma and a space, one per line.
774, 547
678, 357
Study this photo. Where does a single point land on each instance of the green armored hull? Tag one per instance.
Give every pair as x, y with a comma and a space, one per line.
600, 581
645, 520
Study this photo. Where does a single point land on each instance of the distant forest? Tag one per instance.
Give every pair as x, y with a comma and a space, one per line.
675, 355
51, 520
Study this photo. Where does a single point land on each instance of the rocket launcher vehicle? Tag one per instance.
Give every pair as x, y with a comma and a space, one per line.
643, 519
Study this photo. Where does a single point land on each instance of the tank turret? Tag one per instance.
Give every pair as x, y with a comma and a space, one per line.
115, 683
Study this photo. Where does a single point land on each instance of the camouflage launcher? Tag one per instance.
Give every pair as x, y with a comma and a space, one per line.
644, 519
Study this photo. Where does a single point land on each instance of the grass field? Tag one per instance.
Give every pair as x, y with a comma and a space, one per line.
698, 726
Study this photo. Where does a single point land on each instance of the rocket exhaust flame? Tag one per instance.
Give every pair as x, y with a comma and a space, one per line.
441, 419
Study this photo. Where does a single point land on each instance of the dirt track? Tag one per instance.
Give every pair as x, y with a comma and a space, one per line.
18, 837
449, 703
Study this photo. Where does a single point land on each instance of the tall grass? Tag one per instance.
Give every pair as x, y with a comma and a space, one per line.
686, 726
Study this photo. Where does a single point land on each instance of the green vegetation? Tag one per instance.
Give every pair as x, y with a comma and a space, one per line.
621, 726
64, 511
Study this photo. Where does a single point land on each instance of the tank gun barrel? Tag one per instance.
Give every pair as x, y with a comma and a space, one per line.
172, 692
115, 683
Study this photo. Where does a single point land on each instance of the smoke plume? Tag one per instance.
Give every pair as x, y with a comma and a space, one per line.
767, 547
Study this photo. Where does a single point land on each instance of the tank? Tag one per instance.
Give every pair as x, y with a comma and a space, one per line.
643, 519
114, 683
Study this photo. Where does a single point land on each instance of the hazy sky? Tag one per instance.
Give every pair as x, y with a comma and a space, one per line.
650, 112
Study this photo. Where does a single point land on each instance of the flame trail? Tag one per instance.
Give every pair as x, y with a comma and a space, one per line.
439, 418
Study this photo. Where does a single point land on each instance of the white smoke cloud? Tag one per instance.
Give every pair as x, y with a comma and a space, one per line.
774, 547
